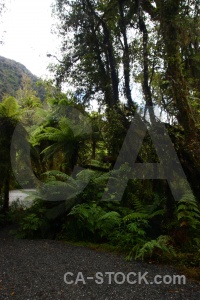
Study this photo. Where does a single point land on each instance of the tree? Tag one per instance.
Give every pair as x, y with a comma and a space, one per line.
9, 116
26, 97
94, 56
63, 134
171, 26
116, 43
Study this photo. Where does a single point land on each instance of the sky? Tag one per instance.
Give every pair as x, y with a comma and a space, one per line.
25, 29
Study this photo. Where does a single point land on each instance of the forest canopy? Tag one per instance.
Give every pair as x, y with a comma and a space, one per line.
110, 46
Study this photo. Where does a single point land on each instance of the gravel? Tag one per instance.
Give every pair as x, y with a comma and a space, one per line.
34, 269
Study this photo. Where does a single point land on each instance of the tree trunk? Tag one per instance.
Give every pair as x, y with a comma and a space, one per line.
169, 12
126, 56
6, 194
145, 84
111, 57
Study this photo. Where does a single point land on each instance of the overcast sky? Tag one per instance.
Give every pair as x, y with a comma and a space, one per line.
25, 29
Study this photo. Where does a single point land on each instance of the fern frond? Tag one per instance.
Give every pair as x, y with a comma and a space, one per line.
188, 210
138, 204
162, 243
110, 215
107, 222
57, 175
133, 227
135, 216
160, 212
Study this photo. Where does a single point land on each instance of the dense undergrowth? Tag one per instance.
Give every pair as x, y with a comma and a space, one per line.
138, 226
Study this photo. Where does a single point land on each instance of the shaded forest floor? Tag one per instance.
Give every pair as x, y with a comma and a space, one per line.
34, 269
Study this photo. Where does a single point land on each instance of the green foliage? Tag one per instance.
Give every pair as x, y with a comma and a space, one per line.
47, 210
29, 225
65, 137
124, 228
144, 211
9, 116
160, 245
55, 175
95, 219
132, 234
109, 48
11, 74
10, 108
32, 223
16, 212
129, 234
188, 213
115, 130
59, 183
131, 230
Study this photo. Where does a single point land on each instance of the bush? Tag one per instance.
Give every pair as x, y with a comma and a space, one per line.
31, 221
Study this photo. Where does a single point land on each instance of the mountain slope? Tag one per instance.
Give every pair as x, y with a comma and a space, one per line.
11, 74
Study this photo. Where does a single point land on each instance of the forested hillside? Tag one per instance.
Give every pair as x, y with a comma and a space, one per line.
11, 74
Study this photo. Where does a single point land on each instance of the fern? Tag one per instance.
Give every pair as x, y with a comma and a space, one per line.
107, 222
143, 211
138, 205
188, 212
134, 233
56, 175
162, 243
155, 208
156, 213
30, 225
95, 219
135, 216
134, 228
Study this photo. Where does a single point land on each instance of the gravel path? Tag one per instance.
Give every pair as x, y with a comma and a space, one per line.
34, 269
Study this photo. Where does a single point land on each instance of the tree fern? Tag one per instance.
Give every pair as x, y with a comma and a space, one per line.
10, 108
